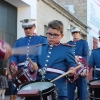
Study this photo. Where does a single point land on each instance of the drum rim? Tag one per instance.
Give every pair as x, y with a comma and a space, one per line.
93, 97
44, 91
94, 80
93, 86
26, 83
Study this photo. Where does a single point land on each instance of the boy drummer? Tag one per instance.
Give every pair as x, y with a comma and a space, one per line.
56, 58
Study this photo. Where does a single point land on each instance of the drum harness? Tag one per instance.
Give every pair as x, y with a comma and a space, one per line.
73, 79
42, 72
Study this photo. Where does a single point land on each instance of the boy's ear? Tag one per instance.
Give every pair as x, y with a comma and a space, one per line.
35, 26
62, 35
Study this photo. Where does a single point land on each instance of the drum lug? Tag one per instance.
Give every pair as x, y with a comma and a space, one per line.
31, 79
43, 77
41, 98
26, 63
55, 93
93, 93
18, 80
43, 72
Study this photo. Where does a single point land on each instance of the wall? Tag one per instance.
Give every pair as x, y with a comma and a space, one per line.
80, 7
43, 14
26, 12
46, 14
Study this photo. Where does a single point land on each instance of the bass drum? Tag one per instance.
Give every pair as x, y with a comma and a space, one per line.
94, 89
38, 90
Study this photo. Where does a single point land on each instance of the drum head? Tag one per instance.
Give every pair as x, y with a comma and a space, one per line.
94, 83
42, 86
37, 86
35, 90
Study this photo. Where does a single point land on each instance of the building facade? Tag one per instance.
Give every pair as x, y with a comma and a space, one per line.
87, 12
45, 11
79, 8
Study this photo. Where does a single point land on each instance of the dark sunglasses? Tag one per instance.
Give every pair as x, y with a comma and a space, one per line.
54, 35
75, 32
27, 28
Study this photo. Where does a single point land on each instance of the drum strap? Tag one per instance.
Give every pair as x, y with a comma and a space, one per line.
53, 70
23, 63
98, 69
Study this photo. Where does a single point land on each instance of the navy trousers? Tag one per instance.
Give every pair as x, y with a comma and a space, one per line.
96, 74
82, 86
12, 88
62, 98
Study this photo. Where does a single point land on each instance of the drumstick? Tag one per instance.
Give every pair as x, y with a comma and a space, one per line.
66, 73
34, 64
23, 50
31, 61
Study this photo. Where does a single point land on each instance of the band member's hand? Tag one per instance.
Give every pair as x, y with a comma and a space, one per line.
77, 58
34, 66
9, 77
73, 71
85, 73
8, 52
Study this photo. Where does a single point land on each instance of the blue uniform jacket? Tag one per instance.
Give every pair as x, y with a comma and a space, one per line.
26, 41
94, 59
57, 57
80, 48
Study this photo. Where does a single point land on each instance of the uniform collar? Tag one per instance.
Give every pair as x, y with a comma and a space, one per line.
76, 40
54, 44
34, 34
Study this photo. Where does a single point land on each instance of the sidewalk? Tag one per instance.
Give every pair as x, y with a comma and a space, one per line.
8, 98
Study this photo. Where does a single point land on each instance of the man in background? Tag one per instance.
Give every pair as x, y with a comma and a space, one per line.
21, 61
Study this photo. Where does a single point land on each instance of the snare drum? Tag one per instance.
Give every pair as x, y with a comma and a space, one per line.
94, 89
21, 76
38, 90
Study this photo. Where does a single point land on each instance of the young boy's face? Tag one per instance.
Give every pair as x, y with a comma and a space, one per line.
54, 36
76, 35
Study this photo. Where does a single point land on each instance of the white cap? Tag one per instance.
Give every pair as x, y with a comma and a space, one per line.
75, 29
28, 23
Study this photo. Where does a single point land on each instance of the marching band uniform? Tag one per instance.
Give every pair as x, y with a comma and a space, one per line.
19, 60
57, 60
80, 49
94, 61
22, 60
